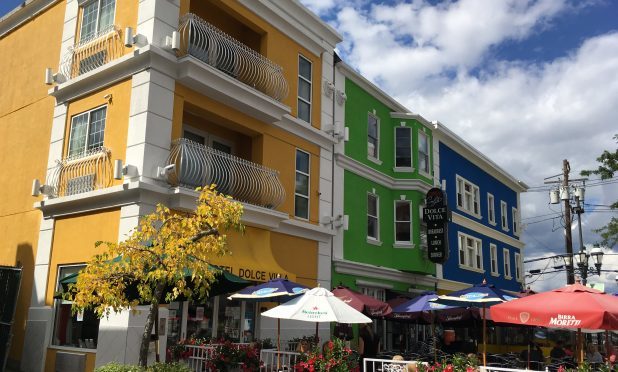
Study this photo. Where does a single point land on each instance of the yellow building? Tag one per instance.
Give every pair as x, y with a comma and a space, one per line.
147, 100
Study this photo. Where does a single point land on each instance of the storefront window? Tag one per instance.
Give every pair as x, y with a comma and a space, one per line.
174, 322
200, 319
73, 330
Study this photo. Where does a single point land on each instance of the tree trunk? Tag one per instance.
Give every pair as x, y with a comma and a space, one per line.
154, 307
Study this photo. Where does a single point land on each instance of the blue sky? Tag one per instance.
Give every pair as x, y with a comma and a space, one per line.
8, 5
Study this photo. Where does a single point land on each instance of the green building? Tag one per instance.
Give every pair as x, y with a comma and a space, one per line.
384, 162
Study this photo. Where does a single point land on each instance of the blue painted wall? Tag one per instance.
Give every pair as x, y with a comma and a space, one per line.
451, 165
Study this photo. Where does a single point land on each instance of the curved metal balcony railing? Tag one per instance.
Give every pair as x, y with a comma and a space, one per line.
198, 165
210, 45
93, 52
82, 173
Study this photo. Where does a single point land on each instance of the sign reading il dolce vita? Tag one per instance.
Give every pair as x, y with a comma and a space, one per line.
435, 215
254, 274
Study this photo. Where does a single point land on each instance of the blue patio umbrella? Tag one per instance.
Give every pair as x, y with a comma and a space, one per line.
482, 296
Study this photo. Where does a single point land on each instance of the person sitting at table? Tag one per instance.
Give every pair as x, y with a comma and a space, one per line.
593, 356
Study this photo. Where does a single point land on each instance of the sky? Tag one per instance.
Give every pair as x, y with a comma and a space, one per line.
527, 82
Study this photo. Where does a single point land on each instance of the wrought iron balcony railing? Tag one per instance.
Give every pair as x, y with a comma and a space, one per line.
210, 45
82, 173
93, 52
198, 165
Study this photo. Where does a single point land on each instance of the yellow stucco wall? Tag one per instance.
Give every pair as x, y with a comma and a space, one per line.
298, 255
271, 146
74, 239
274, 45
26, 113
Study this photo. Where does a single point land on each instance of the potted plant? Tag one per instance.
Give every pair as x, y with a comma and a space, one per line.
334, 357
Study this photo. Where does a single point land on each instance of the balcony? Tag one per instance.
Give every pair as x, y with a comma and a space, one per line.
92, 53
214, 47
82, 173
198, 165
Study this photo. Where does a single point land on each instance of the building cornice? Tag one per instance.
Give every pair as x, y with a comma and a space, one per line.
370, 87
412, 116
371, 174
451, 285
484, 230
305, 131
24, 12
448, 137
384, 273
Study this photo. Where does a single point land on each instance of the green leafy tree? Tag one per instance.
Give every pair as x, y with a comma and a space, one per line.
606, 170
165, 257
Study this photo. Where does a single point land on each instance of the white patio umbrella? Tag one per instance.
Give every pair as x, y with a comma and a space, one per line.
317, 305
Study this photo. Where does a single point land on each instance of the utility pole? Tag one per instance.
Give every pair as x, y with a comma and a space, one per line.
568, 240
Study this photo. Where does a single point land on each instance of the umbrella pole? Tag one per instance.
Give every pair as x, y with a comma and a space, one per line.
580, 346
484, 338
278, 342
433, 339
317, 339
608, 350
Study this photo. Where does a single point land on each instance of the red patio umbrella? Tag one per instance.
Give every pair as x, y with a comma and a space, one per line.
366, 304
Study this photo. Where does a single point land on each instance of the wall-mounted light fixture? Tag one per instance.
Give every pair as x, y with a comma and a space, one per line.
173, 42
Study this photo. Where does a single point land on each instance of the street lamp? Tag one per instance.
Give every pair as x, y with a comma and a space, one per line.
584, 260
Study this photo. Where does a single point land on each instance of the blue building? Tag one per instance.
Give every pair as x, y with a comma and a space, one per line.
485, 227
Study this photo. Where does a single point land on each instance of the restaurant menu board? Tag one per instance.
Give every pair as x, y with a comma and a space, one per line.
436, 216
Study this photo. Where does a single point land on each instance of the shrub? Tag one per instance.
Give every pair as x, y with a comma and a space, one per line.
158, 367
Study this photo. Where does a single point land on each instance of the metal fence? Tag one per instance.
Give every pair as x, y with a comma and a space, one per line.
82, 173
273, 360
10, 280
92, 53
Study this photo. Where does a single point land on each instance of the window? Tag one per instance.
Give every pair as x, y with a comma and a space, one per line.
518, 267
468, 196
79, 330
301, 192
423, 232
515, 221
470, 252
491, 209
373, 128
304, 89
87, 131
402, 221
493, 255
423, 153
97, 17
403, 147
373, 231
506, 255
377, 293
503, 216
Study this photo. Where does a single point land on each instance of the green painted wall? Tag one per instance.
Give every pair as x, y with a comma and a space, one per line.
358, 106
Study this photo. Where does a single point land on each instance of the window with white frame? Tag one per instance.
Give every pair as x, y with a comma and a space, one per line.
87, 131
403, 221
423, 232
470, 252
518, 267
503, 215
491, 209
373, 231
79, 330
301, 191
423, 153
506, 256
373, 137
468, 196
97, 18
304, 89
493, 256
515, 216
377, 293
403, 147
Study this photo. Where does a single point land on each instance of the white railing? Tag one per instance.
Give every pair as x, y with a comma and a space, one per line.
273, 360
81, 173
198, 165
199, 355
92, 53
210, 45
388, 365
498, 369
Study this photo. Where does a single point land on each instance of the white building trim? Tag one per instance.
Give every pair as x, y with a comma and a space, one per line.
385, 273
463, 221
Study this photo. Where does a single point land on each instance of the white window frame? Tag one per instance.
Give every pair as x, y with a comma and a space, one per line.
299, 98
504, 217
408, 168
474, 194
375, 159
97, 29
308, 185
506, 257
515, 216
518, 267
377, 293
423, 228
493, 259
85, 150
491, 209
472, 255
421, 153
375, 239
402, 243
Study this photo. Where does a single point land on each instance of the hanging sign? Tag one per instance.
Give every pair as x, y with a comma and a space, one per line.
435, 215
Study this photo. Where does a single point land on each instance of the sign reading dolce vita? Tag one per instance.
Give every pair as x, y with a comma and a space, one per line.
435, 215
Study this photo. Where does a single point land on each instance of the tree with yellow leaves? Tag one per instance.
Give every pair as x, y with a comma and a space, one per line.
165, 257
